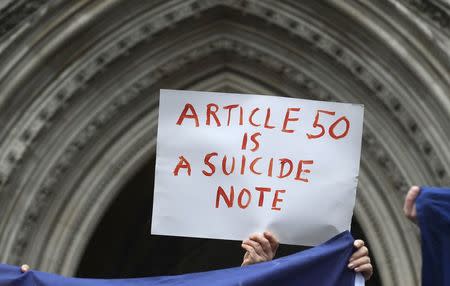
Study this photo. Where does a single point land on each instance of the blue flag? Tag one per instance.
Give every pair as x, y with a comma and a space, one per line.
324, 265
433, 214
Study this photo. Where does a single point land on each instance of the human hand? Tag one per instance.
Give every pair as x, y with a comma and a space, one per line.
24, 268
409, 208
259, 248
360, 260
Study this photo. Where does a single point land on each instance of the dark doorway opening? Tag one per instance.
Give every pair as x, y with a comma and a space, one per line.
122, 247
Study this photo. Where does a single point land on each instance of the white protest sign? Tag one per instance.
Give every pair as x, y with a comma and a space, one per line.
229, 165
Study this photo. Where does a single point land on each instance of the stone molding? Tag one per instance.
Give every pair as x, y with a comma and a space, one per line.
392, 86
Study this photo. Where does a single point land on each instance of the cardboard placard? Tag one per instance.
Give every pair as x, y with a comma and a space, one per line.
229, 165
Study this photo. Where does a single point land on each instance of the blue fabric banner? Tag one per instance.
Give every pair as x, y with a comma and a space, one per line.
433, 214
324, 265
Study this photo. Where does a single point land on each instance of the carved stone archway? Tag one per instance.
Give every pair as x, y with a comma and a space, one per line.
78, 102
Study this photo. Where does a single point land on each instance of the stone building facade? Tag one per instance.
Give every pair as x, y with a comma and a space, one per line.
79, 83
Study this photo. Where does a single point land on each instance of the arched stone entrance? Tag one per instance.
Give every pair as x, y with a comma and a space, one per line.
78, 103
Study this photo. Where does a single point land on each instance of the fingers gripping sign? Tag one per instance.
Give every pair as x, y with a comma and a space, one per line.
272, 240
259, 248
360, 260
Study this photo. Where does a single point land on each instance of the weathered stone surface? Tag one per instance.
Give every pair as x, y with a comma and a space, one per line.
78, 104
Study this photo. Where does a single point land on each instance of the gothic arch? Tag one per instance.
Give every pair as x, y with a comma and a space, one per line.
78, 103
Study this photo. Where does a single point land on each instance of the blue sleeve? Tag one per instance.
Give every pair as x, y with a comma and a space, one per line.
433, 214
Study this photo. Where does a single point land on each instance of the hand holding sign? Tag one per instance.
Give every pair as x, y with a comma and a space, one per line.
259, 248
230, 164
